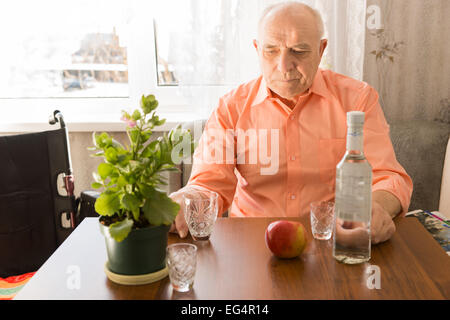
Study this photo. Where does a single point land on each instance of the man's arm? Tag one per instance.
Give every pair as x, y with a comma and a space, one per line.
213, 164
388, 201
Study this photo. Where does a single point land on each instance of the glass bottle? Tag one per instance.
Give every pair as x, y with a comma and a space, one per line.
353, 198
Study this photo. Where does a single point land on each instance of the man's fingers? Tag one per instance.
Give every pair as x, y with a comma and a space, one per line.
355, 237
384, 232
181, 226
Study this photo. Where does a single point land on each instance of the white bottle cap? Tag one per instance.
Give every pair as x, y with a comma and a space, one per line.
355, 118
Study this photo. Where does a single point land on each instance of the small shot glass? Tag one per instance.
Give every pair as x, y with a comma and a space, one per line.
200, 212
322, 218
182, 262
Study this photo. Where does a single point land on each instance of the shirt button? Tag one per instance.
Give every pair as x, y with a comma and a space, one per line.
292, 196
292, 117
292, 158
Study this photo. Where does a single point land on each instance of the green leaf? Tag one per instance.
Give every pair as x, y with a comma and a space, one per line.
111, 155
166, 151
116, 144
160, 122
134, 164
162, 182
148, 103
136, 115
131, 203
122, 181
96, 185
146, 190
123, 157
102, 140
105, 169
160, 209
98, 154
95, 139
145, 136
149, 149
107, 204
125, 115
120, 230
134, 134
130, 178
171, 169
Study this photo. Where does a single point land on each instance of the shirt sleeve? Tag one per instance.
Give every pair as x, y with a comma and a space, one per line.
388, 174
214, 158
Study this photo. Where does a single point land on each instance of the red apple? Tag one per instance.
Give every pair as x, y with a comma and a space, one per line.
286, 239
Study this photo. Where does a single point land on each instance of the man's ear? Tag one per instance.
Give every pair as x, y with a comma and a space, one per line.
323, 46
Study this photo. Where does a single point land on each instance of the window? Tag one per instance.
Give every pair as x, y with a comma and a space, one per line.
89, 57
61, 50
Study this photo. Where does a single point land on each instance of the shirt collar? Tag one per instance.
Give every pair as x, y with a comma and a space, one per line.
318, 87
263, 92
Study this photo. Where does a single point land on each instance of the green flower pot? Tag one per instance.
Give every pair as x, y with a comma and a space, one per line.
143, 251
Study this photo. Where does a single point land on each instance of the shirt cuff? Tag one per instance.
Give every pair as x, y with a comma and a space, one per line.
397, 190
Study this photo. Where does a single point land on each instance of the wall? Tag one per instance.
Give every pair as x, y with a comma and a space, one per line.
416, 85
412, 75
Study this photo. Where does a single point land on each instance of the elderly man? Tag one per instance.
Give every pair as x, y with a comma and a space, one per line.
305, 107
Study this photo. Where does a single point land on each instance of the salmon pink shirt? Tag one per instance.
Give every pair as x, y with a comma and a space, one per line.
267, 160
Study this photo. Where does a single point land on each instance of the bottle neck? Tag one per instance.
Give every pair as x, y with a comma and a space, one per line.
355, 139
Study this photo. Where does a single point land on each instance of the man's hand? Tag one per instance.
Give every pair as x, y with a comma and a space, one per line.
179, 226
382, 227
385, 207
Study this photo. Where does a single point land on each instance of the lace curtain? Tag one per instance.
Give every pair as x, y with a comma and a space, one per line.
213, 52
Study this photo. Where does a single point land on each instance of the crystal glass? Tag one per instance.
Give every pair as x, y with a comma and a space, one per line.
200, 212
182, 262
322, 217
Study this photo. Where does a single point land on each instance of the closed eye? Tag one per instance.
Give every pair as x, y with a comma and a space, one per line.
270, 52
299, 52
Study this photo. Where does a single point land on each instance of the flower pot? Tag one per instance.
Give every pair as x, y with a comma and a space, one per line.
142, 252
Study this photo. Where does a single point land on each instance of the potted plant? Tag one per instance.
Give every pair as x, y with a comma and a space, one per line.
135, 214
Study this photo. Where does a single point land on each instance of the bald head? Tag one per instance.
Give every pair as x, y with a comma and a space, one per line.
291, 9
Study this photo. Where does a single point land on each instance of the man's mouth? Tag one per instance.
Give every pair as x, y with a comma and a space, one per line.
288, 80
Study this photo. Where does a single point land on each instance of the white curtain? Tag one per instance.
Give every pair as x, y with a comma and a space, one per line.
213, 52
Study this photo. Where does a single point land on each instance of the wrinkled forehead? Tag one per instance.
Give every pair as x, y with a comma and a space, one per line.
290, 37
289, 28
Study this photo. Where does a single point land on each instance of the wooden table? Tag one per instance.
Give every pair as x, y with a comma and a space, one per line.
236, 264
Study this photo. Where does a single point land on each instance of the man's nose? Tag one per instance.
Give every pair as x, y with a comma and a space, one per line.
285, 62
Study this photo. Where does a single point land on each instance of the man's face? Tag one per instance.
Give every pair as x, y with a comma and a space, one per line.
289, 50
